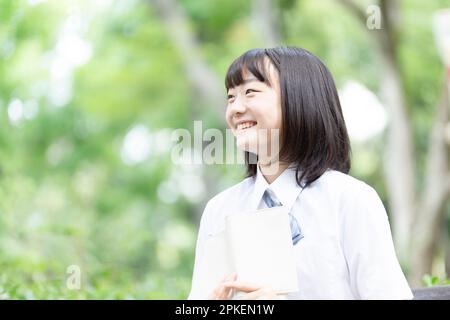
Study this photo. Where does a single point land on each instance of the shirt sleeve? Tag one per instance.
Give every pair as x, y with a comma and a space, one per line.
199, 250
374, 270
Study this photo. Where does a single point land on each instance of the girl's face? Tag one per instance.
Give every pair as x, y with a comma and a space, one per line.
252, 107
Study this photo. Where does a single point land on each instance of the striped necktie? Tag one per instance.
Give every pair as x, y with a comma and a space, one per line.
271, 201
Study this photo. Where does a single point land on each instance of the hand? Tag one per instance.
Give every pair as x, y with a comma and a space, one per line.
221, 292
253, 292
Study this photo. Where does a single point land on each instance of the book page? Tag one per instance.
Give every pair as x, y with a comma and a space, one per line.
262, 249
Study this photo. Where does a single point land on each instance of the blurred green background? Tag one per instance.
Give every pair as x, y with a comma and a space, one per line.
90, 92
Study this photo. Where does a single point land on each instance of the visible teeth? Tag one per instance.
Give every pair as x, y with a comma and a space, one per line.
245, 125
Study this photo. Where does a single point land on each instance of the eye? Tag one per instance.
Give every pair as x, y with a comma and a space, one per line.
250, 91
230, 97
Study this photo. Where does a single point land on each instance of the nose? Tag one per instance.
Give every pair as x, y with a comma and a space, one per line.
237, 107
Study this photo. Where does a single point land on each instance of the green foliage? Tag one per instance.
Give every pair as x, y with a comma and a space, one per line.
430, 281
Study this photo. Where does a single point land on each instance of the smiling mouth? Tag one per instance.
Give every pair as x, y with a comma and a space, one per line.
246, 125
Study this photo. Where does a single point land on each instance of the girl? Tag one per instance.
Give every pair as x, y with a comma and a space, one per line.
340, 230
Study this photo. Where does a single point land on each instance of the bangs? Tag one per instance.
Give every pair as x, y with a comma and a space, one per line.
254, 61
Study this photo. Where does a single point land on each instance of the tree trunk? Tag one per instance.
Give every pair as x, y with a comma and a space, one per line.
398, 159
432, 209
415, 223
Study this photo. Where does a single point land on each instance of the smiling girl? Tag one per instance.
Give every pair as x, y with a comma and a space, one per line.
340, 230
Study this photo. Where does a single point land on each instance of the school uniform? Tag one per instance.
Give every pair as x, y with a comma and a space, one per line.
345, 250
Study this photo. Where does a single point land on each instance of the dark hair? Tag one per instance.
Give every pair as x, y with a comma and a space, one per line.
314, 135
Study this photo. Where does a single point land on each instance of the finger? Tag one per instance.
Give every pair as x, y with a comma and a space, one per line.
221, 292
226, 291
253, 295
216, 293
242, 286
226, 294
264, 293
229, 293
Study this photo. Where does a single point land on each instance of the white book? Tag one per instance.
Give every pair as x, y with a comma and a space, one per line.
257, 245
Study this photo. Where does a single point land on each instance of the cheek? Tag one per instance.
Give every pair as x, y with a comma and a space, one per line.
279, 122
228, 118
277, 115
269, 118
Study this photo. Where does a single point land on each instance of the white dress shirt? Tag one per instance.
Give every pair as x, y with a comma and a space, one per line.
347, 251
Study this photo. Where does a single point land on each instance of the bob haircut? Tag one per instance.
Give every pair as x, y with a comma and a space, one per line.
313, 134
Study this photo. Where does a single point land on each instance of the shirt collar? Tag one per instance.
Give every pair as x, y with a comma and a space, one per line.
285, 187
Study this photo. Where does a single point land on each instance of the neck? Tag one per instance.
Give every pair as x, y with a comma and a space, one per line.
271, 171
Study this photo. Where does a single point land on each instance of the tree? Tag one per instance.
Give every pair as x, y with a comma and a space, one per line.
417, 215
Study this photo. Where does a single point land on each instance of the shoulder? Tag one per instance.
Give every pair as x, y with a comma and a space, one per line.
343, 183
347, 191
356, 201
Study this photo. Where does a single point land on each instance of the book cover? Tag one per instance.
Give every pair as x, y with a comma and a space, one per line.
257, 245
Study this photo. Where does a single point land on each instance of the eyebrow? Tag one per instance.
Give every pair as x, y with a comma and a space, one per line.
248, 81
